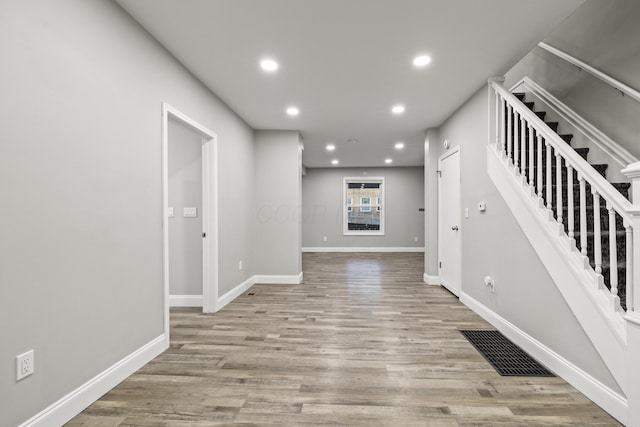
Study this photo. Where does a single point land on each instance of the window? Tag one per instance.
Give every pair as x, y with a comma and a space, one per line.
359, 195
365, 204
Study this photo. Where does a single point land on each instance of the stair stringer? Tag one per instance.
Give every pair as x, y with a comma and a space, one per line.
591, 306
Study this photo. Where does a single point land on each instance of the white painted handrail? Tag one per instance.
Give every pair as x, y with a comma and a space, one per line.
627, 90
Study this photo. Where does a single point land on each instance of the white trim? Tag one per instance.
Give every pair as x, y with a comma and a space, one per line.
362, 249
345, 215
75, 402
431, 280
234, 293
593, 71
210, 212
610, 400
606, 144
268, 279
633, 318
185, 300
210, 248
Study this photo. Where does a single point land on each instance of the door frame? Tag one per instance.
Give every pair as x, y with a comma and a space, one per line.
209, 211
441, 230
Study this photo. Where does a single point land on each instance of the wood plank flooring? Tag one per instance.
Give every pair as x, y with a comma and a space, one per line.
363, 341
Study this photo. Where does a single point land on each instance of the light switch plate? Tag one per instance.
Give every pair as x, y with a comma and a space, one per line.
190, 212
171, 212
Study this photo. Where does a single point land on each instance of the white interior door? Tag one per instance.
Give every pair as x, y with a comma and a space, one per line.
449, 249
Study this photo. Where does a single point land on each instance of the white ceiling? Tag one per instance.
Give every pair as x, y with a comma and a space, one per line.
345, 63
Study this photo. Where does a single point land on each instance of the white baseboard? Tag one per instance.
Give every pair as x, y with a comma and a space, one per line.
185, 300
293, 279
75, 402
608, 399
431, 280
234, 293
362, 249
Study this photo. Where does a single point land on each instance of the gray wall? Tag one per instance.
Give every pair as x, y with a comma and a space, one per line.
185, 190
278, 193
322, 207
80, 178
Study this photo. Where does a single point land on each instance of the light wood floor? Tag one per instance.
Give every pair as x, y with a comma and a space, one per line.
363, 341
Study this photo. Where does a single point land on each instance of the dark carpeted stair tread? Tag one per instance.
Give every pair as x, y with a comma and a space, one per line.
540, 114
519, 95
553, 126
623, 188
567, 137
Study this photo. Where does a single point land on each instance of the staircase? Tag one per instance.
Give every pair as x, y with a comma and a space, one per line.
580, 225
529, 148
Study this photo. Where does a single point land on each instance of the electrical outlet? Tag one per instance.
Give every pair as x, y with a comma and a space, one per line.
324, 238
24, 365
239, 265
415, 239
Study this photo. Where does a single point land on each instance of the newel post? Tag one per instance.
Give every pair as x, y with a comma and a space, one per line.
495, 115
633, 312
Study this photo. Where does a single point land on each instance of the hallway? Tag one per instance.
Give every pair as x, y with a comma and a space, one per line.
363, 341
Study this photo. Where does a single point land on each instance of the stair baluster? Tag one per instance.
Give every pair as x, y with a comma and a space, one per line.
570, 218
531, 162
516, 141
509, 132
613, 250
559, 188
549, 188
523, 149
597, 236
583, 216
539, 138
498, 103
502, 119
629, 263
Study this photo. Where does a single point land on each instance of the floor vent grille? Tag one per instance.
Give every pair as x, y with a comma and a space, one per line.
506, 357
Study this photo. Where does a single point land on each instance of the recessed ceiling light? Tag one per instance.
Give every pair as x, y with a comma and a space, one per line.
421, 61
293, 111
399, 145
387, 161
398, 109
331, 147
334, 162
269, 65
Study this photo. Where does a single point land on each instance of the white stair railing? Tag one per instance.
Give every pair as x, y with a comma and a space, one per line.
521, 137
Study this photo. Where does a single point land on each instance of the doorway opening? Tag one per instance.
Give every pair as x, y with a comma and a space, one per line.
190, 217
